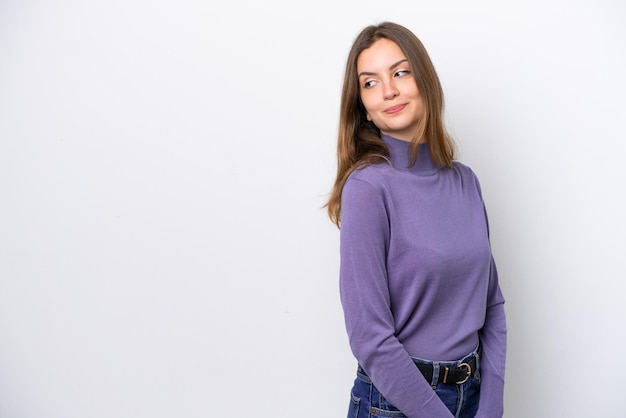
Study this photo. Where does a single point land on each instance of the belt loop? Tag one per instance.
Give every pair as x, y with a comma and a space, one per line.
477, 371
435, 379
477, 356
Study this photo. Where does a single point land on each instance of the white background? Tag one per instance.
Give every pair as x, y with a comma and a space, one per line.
163, 251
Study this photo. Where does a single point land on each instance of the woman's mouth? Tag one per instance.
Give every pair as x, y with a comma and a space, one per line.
395, 109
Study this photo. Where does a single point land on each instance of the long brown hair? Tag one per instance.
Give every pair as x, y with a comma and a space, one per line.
359, 143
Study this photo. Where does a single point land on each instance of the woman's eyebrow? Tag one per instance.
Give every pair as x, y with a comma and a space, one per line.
391, 67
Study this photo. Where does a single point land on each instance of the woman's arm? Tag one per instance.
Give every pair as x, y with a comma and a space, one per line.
493, 352
366, 303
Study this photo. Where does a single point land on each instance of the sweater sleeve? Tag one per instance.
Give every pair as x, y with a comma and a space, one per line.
493, 352
364, 238
493, 345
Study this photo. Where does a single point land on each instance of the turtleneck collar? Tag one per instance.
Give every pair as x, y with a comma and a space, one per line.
399, 156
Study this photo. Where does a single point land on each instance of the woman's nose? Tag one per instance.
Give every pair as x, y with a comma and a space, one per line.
390, 90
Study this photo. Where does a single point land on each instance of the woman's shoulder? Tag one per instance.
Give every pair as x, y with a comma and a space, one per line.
366, 188
368, 182
466, 173
375, 174
463, 169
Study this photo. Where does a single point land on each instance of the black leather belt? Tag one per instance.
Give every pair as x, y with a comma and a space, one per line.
451, 375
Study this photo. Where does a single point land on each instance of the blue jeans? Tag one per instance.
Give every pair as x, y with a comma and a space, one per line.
462, 400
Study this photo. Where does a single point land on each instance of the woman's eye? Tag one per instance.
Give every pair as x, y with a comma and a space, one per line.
368, 84
402, 73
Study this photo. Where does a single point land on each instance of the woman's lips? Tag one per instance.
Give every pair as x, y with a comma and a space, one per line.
395, 109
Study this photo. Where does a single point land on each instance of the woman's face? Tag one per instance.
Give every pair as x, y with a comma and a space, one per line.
388, 90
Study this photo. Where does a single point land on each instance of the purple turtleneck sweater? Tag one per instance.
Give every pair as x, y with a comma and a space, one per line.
417, 278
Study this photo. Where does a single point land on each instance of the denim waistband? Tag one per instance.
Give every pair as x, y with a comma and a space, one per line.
474, 353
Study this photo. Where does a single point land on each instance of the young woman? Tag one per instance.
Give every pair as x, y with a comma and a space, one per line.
419, 288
